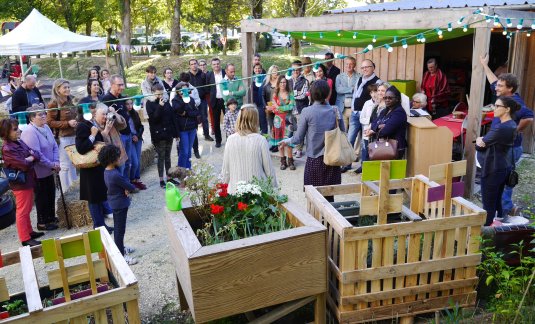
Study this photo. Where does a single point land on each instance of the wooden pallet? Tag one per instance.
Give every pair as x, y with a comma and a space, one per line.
401, 269
110, 262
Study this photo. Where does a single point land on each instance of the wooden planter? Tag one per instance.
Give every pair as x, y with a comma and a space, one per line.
78, 310
398, 270
234, 277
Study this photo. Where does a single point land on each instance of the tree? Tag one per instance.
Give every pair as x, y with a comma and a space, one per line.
126, 31
302, 8
175, 28
226, 14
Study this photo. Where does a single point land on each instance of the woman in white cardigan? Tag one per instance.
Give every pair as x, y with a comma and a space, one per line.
247, 152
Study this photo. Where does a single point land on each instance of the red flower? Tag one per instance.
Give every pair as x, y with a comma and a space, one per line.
217, 209
222, 189
242, 206
223, 193
223, 186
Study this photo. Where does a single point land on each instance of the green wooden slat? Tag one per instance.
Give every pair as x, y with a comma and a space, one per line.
371, 170
71, 249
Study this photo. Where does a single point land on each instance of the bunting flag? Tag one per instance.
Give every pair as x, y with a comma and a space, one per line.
150, 48
138, 48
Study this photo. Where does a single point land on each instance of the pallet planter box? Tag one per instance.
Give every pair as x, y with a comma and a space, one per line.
392, 270
109, 305
240, 276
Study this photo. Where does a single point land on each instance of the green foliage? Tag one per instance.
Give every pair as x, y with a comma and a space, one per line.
16, 307
284, 8
509, 283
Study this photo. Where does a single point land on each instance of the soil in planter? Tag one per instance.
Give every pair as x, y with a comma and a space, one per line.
56, 296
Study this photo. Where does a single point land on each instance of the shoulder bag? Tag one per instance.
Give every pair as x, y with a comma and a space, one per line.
338, 150
512, 179
84, 161
15, 176
383, 149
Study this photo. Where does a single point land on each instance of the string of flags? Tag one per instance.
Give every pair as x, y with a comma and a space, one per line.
507, 23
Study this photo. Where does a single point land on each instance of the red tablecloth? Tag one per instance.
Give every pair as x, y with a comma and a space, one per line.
456, 124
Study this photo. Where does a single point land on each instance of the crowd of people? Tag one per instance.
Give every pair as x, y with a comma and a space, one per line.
289, 115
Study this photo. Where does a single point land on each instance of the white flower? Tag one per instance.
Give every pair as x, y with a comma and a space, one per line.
243, 188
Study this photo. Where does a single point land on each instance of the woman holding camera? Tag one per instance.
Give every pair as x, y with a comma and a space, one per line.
496, 146
162, 129
20, 158
104, 127
186, 121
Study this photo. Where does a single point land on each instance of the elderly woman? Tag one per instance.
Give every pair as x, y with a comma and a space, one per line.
419, 101
40, 139
100, 129
392, 121
496, 146
63, 123
247, 152
315, 121
18, 157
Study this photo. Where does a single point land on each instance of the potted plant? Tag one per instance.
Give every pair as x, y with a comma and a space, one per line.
237, 252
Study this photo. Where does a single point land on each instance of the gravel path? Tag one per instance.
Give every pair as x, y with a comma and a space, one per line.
146, 232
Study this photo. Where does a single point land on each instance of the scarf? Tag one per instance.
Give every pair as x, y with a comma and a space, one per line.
363, 80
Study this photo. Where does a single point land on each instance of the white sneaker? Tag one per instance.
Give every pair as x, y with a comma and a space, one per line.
109, 216
130, 260
129, 250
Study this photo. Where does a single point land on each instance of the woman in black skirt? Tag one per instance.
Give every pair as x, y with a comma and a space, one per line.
315, 121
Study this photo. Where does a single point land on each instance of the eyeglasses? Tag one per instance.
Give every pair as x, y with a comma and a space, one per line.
389, 98
500, 106
366, 67
41, 114
416, 102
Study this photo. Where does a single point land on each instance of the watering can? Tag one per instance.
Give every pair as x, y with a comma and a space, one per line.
173, 199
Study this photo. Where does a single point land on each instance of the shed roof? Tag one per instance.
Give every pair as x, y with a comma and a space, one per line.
430, 4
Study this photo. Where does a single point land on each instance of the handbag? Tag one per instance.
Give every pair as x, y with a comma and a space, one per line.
84, 161
383, 149
512, 178
15, 176
338, 150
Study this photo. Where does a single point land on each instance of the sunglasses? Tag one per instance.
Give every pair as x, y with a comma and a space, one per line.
389, 98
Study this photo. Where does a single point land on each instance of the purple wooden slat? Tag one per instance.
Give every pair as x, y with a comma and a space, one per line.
437, 193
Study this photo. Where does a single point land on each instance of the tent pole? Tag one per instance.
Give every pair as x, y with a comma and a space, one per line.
60, 69
21, 65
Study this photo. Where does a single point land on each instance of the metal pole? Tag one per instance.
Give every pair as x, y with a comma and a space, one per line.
60, 69
60, 188
21, 65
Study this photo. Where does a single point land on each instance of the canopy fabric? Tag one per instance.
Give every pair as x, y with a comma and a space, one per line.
365, 37
39, 35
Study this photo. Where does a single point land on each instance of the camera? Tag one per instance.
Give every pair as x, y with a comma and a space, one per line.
110, 116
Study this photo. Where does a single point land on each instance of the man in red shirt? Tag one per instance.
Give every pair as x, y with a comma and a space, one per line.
436, 88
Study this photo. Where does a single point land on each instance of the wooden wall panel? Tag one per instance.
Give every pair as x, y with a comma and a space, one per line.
524, 68
401, 64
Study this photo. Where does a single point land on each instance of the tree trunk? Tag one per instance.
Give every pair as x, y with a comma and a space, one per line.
175, 29
225, 38
300, 7
126, 33
88, 27
257, 14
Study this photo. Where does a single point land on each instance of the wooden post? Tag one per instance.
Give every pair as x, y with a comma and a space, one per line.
477, 93
248, 48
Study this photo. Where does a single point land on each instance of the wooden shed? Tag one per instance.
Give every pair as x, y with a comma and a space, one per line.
354, 27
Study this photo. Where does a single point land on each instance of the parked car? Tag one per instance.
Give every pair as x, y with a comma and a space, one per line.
280, 40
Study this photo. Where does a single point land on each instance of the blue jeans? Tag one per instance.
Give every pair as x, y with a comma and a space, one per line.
97, 214
119, 222
186, 144
135, 167
127, 144
107, 208
262, 119
364, 151
507, 197
354, 127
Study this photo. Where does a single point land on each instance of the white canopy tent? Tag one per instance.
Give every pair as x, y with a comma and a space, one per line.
39, 35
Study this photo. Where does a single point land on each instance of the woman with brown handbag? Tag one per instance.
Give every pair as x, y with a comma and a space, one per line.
390, 127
